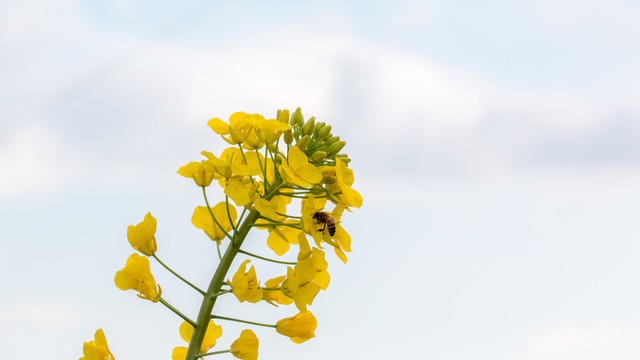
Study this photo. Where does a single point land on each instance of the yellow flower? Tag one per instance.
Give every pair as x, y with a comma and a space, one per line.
231, 163
202, 220
299, 328
277, 296
97, 349
201, 172
270, 130
307, 277
298, 170
241, 190
136, 275
280, 237
341, 188
246, 346
245, 285
142, 236
310, 206
210, 336
240, 126
299, 284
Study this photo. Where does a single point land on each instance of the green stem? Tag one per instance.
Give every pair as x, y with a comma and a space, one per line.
178, 276
226, 201
218, 248
209, 300
266, 259
216, 353
242, 321
177, 312
274, 224
204, 192
289, 216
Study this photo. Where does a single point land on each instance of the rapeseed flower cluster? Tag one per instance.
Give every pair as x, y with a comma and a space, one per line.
271, 166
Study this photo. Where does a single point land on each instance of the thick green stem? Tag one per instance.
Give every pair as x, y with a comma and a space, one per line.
218, 278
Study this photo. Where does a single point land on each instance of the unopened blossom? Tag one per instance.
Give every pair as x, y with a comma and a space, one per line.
97, 349
299, 328
142, 236
201, 172
136, 275
246, 346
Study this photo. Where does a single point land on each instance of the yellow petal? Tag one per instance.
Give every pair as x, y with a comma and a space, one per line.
179, 353
219, 126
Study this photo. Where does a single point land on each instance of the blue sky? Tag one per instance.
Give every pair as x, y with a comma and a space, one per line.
495, 145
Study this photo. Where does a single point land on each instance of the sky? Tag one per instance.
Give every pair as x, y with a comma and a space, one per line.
495, 144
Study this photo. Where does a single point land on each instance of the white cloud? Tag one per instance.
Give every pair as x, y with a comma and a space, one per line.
34, 159
582, 342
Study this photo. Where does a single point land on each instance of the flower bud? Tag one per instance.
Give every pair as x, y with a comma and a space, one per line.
297, 118
303, 142
283, 115
288, 137
344, 158
337, 146
331, 140
310, 126
319, 155
319, 126
324, 132
272, 147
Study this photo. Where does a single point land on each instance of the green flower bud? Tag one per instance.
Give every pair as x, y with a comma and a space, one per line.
303, 142
272, 147
319, 126
309, 126
288, 137
319, 155
324, 132
337, 146
344, 158
283, 115
331, 140
297, 118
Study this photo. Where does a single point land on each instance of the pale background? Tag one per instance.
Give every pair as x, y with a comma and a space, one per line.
495, 143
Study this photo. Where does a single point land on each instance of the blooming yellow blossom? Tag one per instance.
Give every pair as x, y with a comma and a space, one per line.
246, 346
202, 220
136, 275
245, 285
201, 172
212, 333
241, 190
275, 296
142, 236
299, 284
342, 186
231, 164
240, 126
97, 349
280, 237
299, 328
298, 170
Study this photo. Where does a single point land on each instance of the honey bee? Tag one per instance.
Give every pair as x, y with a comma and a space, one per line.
329, 222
